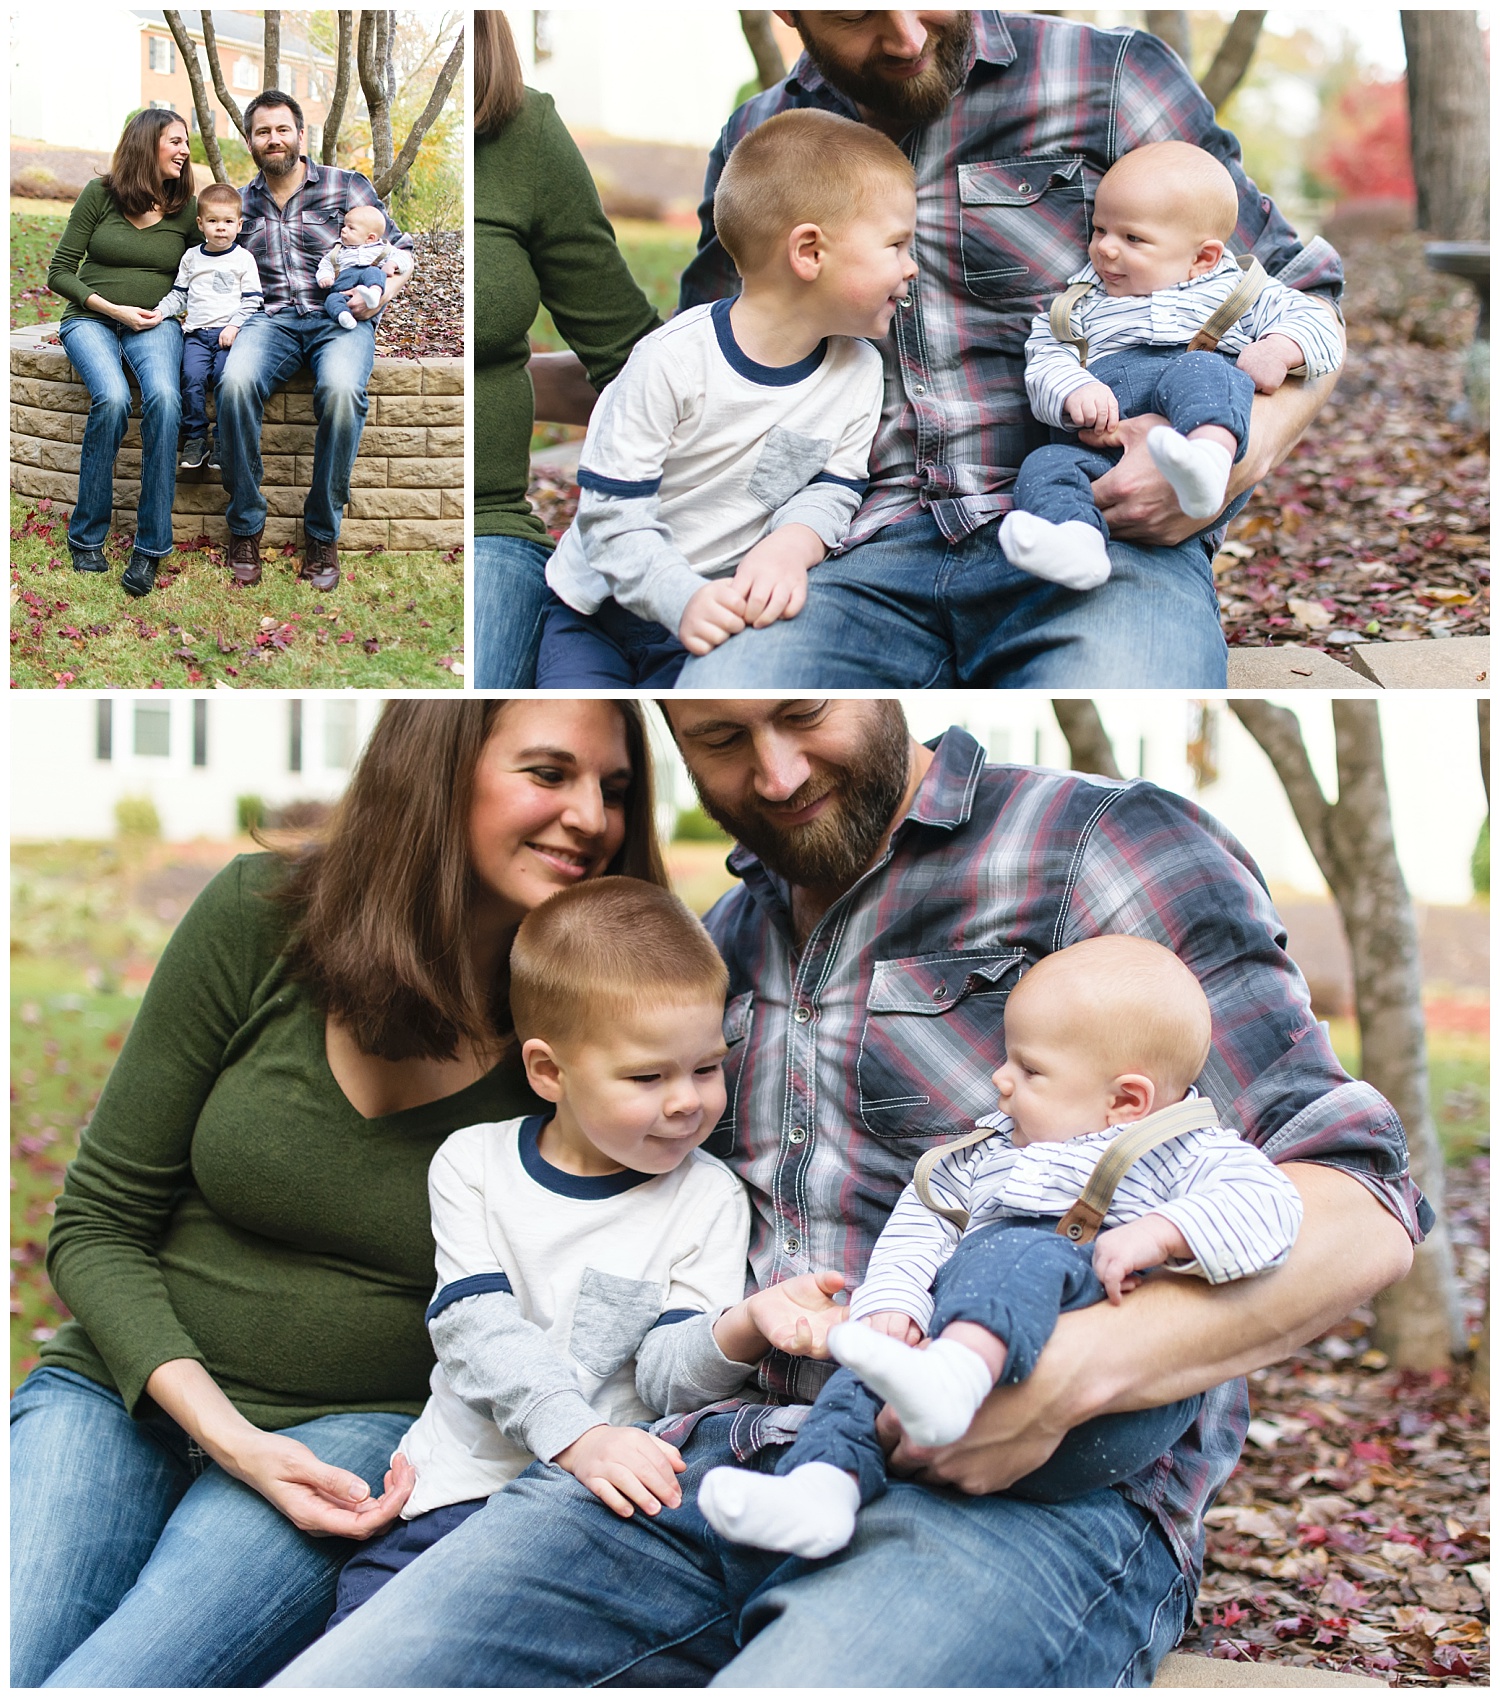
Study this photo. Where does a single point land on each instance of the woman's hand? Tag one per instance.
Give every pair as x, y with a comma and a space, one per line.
318, 1498
135, 318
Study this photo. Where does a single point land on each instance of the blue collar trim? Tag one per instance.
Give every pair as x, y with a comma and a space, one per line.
774, 377
581, 1186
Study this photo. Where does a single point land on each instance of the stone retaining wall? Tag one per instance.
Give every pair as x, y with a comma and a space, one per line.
407, 491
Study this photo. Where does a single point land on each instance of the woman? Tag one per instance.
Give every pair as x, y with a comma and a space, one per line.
243, 1239
540, 235
118, 256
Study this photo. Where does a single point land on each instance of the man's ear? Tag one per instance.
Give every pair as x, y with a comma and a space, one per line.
1131, 1097
804, 251
1208, 256
543, 1070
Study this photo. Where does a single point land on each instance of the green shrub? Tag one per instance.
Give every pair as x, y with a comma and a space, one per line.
694, 826
249, 813
136, 816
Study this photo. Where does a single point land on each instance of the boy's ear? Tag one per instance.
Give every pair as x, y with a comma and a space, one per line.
1132, 1096
1208, 256
804, 250
543, 1069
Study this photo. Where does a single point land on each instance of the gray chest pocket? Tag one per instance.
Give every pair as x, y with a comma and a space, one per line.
787, 462
226, 283
611, 1318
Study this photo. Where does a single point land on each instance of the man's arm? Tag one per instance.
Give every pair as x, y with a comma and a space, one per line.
1176, 1337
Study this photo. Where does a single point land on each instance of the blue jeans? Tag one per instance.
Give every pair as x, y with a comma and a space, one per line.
271, 348
1189, 390
546, 1587
611, 649
910, 610
202, 367
510, 597
378, 1560
135, 1561
1014, 1280
99, 351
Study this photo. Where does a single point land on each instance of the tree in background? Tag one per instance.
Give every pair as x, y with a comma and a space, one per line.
1418, 1322
1448, 91
1089, 747
770, 67
1365, 151
1231, 58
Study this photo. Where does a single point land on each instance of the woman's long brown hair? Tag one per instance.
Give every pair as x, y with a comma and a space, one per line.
383, 904
134, 177
498, 90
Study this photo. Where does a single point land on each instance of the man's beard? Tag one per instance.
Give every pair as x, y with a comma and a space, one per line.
833, 850
914, 99
280, 165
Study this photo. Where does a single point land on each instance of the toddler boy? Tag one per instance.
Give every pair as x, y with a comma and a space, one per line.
356, 266
1160, 266
1103, 1034
730, 454
591, 1261
218, 288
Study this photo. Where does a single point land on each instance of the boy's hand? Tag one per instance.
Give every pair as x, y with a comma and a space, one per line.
795, 1316
1269, 360
894, 1325
1093, 407
714, 613
622, 1466
772, 577
228, 334
1123, 1251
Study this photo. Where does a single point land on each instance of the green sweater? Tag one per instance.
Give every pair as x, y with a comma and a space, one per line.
102, 253
540, 236
228, 1204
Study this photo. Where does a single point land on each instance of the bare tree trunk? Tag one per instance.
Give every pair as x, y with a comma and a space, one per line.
201, 104
1089, 747
373, 29
1484, 745
1233, 58
1172, 28
1448, 93
271, 70
1419, 1322
770, 68
335, 118
216, 71
440, 89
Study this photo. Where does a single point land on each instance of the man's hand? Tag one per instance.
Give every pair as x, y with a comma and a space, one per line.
1017, 1428
715, 613
772, 577
796, 1316
1269, 360
1124, 1251
1137, 502
228, 334
1095, 408
360, 308
894, 1325
622, 1466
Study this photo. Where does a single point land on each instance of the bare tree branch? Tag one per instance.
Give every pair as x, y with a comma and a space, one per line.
770, 67
1484, 745
271, 70
417, 134
372, 45
1089, 747
1172, 28
1448, 94
1233, 58
334, 121
216, 71
1278, 733
201, 104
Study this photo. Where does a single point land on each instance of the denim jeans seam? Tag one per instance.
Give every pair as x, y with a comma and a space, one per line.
1109, 1583
656, 1650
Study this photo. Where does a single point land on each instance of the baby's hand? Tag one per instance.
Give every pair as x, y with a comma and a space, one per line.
622, 1466
1093, 407
1123, 1251
772, 577
714, 613
894, 1325
228, 334
1269, 360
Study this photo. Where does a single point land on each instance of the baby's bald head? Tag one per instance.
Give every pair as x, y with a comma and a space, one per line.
1185, 184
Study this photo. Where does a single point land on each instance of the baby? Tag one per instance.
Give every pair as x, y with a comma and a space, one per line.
591, 1261
356, 266
1160, 266
218, 288
730, 454
1099, 1036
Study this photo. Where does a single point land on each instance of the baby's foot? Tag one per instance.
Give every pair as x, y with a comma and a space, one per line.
348, 320
935, 1391
1072, 554
809, 1512
1198, 471
369, 294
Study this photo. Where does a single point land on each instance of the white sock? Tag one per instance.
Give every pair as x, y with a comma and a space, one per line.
1197, 471
371, 294
935, 1391
809, 1512
1072, 554
348, 320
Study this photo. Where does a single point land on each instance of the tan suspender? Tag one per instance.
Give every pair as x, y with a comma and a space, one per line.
1081, 1223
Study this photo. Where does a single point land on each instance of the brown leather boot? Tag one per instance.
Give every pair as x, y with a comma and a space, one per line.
244, 559
320, 565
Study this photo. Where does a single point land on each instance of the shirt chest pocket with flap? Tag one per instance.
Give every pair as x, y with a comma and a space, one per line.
1024, 224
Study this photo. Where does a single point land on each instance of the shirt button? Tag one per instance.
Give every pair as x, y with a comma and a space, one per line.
791, 1245
801, 1014
939, 992
797, 1134
1024, 188
919, 389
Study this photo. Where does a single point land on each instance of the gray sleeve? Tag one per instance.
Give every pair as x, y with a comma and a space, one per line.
825, 506
679, 1367
504, 1368
628, 543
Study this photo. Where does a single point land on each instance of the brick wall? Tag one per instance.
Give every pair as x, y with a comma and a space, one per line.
407, 491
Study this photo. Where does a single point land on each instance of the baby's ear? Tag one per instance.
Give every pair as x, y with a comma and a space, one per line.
1132, 1096
1208, 256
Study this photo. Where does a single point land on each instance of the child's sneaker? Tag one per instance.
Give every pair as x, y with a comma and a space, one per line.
213, 462
348, 320
194, 453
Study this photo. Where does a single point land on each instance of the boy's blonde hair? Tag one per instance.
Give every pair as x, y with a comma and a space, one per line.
802, 167
1131, 1003
607, 948
222, 194
1194, 189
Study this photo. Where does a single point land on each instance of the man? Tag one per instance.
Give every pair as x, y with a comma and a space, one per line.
1010, 122
891, 896
293, 211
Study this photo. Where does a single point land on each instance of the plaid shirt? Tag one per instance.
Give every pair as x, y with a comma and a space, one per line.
851, 1056
1005, 188
288, 241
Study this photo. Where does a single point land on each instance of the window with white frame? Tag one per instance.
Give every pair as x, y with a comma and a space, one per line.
153, 728
161, 54
246, 73
338, 734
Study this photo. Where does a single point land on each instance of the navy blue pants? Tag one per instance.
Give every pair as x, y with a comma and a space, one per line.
1014, 1281
610, 649
1189, 389
356, 277
202, 367
382, 1559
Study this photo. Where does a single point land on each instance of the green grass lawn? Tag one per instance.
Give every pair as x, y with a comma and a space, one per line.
396, 619
33, 236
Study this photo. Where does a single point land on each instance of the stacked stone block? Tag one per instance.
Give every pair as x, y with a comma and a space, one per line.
407, 491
